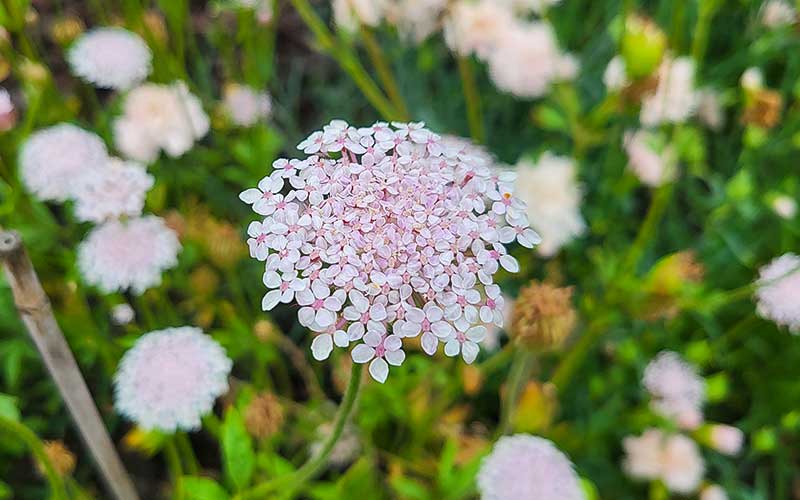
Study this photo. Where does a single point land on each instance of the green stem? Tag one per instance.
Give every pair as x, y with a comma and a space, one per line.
14, 428
173, 460
517, 378
187, 453
655, 212
701, 30
472, 98
346, 59
378, 59
570, 363
295, 481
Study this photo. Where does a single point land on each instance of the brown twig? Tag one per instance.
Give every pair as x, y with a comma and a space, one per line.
35, 311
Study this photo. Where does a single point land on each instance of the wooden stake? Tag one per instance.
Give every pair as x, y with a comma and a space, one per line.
37, 314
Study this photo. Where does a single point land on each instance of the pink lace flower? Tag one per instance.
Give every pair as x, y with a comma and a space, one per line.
387, 232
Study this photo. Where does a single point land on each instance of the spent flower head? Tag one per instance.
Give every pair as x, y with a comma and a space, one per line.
543, 316
386, 232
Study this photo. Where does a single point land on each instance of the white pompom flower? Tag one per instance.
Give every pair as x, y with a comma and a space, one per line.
117, 256
170, 378
157, 117
524, 467
115, 190
778, 293
677, 391
111, 58
550, 189
675, 98
54, 160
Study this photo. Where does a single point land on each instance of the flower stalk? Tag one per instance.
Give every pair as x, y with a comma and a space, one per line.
517, 378
473, 100
378, 60
13, 428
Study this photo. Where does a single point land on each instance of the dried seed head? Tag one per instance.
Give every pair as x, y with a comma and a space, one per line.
263, 416
66, 29
543, 316
59, 455
264, 330
764, 108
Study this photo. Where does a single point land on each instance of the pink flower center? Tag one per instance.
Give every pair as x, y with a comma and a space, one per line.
380, 351
317, 305
494, 254
490, 303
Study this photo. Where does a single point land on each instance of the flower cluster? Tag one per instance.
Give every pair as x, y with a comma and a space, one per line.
524, 467
110, 58
245, 106
677, 390
778, 293
157, 117
385, 233
674, 459
170, 378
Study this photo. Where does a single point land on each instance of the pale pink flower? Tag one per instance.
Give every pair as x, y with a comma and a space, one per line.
726, 439
524, 467
643, 455
785, 206
110, 58
416, 19
117, 189
475, 27
246, 106
709, 108
677, 391
778, 293
170, 378
673, 459
117, 256
349, 14
8, 114
713, 492
615, 77
653, 165
122, 314
54, 160
777, 13
387, 232
675, 98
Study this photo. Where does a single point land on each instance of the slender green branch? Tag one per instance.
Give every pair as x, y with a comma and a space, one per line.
517, 378
378, 59
472, 98
295, 481
173, 460
572, 361
36, 446
346, 59
187, 453
658, 205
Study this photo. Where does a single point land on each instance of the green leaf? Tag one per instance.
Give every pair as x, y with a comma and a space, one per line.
8, 408
237, 450
203, 488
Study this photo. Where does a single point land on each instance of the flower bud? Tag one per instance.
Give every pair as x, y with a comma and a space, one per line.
726, 439
263, 416
33, 72
713, 492
264, 330
642, 46
784, 206
543, 316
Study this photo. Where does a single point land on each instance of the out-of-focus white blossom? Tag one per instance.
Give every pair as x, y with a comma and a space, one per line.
713, 492
170, 378
677, 391
54, 160
524, 467
110, 58
112, 191
752, 79
349, 14
567, 68
526, 60
673, 459
122, 314
653, 166
726, 439
777, 13
245, 106
8, 114
550, 189
675, 98
117, 256
784, 206
614, 77
416, 19
475, 27
709, 108
778, 293
157, 117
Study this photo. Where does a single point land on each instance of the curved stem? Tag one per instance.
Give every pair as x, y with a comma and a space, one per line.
174, 466
517, 377
346, 59
310, 469
569, 364
187, 453
655, 212
37, 449
385, 73
472, 98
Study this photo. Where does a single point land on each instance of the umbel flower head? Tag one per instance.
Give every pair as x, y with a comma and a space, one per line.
543, 316
384, 233
110, 58
524, 467
673, 459
157, 117
117, 255
170, 378
677, 390
778, 294
53, 160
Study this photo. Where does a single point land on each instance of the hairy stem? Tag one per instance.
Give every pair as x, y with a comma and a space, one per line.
291, 483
